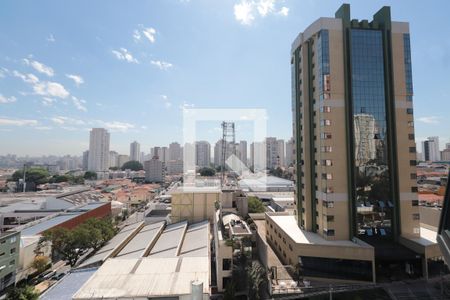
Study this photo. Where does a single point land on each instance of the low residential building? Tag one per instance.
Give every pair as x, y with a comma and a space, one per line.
9, 258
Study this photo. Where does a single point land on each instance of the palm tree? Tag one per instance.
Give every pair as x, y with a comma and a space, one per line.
256, 276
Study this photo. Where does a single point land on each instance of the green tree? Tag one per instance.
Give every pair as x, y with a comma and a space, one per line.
207, 171
256, 276
76, 180
40, 263
59, 178
23, 293
255, 205
89, 175
100, 231
230, 292
35, 175
132, 165
114, 168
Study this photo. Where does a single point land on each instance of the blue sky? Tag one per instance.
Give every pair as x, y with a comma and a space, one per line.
131, 66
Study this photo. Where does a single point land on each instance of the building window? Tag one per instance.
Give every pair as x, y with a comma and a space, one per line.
325, 109
12, 262
412, 162
412, 149
415, 202
13, 239
226, 264
13, 250
416, 216
409, 111
327, 162
326, 135
408, 68
330, 218
327, 176
326, 149
411, 136
414, 189
413, 175
326, 122
328, 232
328, 204
410, 123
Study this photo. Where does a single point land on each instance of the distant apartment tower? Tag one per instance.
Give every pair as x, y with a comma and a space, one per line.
175, 151
154, 170
258, 156
98, 150
155, 151
85, 162
164, 154
202, 154
113, 159
135, 151
272, 152
122, 159
218, 152
289, 152
174, 167
242, 151
281, 162
353, 127
430, 149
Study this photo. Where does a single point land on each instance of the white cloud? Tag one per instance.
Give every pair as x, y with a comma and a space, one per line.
17, 122
284, 11
79, 103
40, 67
28, 78
116, 126
136, 35
429, 120
76, 78
166, 101
4, 100
60, 120
124, 54
43, 127
51, 89
46, 101
51, 38
265, 7
246, 11
149, 33
162, 65
243, 12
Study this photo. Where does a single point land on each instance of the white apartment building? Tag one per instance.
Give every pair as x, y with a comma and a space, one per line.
289, 152
174, 167
242, 151
154, 170
430, 149
135, 151
113, 159
202, 154
98, 150
175, 151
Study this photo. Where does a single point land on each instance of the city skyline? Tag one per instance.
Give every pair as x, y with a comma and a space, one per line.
137, 61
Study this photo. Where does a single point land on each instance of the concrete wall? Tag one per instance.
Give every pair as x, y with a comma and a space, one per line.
194, 206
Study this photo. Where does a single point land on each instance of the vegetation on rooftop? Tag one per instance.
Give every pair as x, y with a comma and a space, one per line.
207, 171
255, 205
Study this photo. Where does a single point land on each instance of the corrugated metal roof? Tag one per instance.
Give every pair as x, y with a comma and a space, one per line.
168, 242
136, 247
69, 285
47, 224
106, 250
196, 240
146, 277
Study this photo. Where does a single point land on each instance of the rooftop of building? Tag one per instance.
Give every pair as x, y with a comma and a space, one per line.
177, 255
41, 225
289, 225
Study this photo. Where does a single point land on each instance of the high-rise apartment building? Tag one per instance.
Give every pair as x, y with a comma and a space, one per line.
85, 161
430, 149
135, 151
242, 151
98, 150
154, 170
122, 159
164, 154
202, 154
155, 151
289, 152
272, 160
218, 152
175, 151
281, 153
113, 159
355, 151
